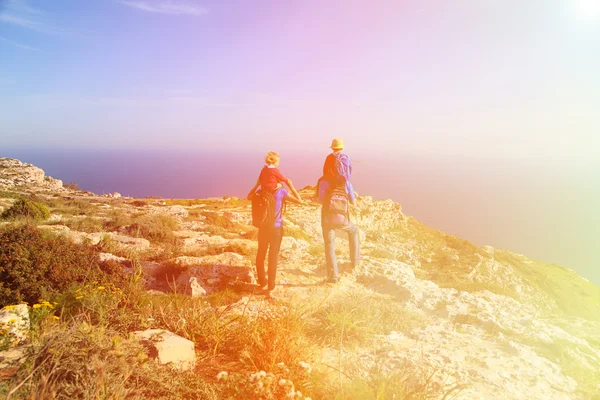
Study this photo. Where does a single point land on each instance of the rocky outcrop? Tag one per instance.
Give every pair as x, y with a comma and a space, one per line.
14, 323
214, 272
14, 173
122, 242
168, 348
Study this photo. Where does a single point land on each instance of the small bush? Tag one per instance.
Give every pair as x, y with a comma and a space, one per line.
218, 220
34, 264
67, 205
86, 224
72, 186
153, 227
139, 203
26, 208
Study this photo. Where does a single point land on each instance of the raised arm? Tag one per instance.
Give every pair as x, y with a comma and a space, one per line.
293, 198
293, 189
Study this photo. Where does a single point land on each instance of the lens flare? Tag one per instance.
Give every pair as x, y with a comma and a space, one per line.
587, 10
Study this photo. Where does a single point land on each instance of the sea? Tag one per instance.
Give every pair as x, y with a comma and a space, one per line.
545, 210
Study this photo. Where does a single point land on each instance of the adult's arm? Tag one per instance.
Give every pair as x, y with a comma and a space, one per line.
293, 198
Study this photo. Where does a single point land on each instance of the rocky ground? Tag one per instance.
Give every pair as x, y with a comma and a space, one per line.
486, 322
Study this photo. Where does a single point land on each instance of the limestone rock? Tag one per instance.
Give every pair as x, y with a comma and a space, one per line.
14, 319
197, 289
177, 212
74, 236
214, 271
169, 348
14, 173
52, 183
128, 242
12, 359
151, 268
55, 218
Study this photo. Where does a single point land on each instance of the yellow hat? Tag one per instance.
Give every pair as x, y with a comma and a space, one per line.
337, 144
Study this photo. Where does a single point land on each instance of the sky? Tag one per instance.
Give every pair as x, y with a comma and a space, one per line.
505, 94
491, 79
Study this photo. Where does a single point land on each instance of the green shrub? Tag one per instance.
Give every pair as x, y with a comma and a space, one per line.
26, 208
67, 205
153, 227
85, 224
72, 186
218, 220
35, 264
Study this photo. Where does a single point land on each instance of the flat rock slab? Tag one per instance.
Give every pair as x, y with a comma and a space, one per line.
15, 321
215, 271
169, 348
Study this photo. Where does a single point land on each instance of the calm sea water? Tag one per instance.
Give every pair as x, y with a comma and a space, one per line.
545, 211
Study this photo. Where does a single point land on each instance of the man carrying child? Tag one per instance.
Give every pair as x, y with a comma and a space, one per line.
335, 211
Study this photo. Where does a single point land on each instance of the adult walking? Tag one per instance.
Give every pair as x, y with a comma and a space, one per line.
270, 235
335, 213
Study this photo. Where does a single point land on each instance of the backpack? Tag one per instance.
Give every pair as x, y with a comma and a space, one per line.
336, 214
263, 209
343, 167
322, 191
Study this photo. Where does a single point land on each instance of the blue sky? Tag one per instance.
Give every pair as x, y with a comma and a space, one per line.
505, 79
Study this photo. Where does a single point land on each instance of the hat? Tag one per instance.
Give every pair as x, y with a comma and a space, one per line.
337, 144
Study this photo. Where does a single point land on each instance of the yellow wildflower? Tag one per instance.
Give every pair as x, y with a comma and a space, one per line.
100, 287
78, 297
37, 305
55, 317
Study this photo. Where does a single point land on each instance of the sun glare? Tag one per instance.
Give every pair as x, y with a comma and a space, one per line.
587, 10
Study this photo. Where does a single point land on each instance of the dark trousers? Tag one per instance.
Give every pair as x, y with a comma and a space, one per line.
268, 239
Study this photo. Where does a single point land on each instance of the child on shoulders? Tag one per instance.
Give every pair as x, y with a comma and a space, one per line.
271, 178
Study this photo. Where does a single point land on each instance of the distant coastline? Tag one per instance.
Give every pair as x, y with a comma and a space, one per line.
546, 213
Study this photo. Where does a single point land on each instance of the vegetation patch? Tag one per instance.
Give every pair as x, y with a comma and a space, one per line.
27, 209
85, 224
154, 227
35, 264
67, 205
9, 195
351, 318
